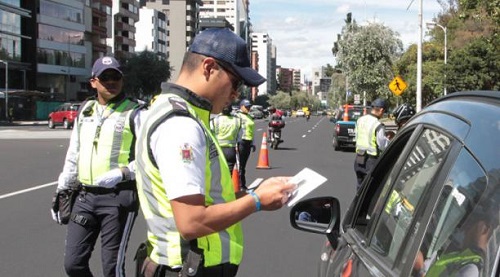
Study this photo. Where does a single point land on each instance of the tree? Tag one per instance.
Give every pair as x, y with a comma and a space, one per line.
366, 54
144, 72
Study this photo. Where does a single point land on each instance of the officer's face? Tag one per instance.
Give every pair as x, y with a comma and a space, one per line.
108, 85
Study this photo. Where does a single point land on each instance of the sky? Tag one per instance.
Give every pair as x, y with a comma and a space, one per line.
303, 31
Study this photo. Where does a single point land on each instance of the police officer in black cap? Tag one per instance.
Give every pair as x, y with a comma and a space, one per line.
370, 139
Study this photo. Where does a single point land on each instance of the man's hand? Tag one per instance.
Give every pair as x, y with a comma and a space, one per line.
110, 178
274, 192
252, 147
55, 209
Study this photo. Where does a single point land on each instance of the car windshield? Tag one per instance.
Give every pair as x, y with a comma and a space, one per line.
74, 107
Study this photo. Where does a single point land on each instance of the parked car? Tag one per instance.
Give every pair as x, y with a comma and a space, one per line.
63, 115
256, 112
430, 207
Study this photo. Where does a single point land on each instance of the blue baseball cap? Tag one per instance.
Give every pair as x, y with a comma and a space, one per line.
246, 103
105, 63
224, 45
379, 102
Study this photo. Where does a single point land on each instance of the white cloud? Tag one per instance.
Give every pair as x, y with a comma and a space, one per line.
304, 31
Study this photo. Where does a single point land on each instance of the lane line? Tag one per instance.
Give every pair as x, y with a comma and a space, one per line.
27, 190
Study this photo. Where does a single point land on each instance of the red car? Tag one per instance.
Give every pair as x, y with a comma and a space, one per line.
64, 115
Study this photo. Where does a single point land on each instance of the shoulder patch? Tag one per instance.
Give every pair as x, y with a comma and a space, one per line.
187, 153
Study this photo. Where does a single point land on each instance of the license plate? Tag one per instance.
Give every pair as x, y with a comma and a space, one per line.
350, 131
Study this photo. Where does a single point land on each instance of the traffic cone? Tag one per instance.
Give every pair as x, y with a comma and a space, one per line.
263, 161
236, 179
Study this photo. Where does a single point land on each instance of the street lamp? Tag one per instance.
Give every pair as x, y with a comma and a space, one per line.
6, 88
432, 24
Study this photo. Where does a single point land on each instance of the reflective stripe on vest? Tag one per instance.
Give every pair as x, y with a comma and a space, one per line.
105, 141
226, 129
167, 245
366, 137
449, 264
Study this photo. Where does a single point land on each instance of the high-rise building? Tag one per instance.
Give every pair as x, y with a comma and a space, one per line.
152, 32
182, 26
125, 13
262, 44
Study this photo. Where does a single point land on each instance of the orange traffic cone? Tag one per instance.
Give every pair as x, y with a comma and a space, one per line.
263, 154
236, 179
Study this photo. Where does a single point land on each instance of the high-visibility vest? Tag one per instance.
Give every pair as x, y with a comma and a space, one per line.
226, 129
366, 136
449, 264
165, 245
105, 141
247, 125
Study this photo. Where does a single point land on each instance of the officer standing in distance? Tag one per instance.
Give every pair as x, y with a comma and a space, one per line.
100, 158
245, 145
370, 139
226, 128
184, 184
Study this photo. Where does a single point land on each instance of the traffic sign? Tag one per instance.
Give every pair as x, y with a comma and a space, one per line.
397, 85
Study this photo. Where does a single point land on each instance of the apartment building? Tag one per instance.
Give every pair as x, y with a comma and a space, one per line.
262, 44
182, 25
152, 32
125, 13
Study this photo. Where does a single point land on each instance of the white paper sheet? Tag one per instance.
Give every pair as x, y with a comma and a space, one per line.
307, 180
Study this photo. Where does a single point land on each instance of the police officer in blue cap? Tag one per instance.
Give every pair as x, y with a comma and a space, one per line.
370, 139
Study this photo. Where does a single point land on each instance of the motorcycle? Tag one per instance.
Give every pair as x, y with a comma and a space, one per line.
275, 127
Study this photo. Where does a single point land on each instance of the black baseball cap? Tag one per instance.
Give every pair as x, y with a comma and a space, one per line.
224, 45
105, 63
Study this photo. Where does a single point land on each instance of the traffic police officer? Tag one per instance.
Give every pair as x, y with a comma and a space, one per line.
100, 158
184, 185
245, 145
226, 128
370, 139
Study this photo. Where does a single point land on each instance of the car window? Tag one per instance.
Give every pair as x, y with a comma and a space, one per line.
463, 235
418, 171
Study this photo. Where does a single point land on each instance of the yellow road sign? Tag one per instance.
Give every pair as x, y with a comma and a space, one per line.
397, 85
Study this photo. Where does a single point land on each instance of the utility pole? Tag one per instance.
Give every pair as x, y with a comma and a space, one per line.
6, 88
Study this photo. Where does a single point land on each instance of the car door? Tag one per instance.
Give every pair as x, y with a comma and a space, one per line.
386, 211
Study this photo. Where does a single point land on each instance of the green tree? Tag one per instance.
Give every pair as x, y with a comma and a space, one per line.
280, 101
144, 72
366, 54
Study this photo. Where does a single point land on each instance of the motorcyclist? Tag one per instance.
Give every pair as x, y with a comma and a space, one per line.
276, 122
402, 114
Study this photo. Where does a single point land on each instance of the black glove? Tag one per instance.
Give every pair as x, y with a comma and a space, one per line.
55, 208
252, 147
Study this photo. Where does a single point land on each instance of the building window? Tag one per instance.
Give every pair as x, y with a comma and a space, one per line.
61, 11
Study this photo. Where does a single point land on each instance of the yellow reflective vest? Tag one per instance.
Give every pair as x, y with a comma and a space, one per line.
165, 245
226, 129
106, 141
248, 126
366, 135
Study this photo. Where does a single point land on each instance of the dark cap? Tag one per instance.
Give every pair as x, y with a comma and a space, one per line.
226, 46
380, 103
246, 103
104, 63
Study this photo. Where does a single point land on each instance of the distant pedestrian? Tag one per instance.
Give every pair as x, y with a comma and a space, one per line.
11, 113
370, 139
100, 159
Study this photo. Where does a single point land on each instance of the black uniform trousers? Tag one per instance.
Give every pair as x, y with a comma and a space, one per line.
230, 155
244, 149
362, 165
109, 212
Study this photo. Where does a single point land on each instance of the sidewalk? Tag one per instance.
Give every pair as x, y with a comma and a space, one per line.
23, 123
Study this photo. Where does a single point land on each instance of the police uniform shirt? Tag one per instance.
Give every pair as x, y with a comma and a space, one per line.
178, 146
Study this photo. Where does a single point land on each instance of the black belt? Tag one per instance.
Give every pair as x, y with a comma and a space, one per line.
128, 185
222, 270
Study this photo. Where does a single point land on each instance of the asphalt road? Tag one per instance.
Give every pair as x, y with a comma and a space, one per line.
33, 245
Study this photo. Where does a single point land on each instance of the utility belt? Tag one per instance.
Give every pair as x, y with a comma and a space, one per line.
362, 156
192, 266
126, 185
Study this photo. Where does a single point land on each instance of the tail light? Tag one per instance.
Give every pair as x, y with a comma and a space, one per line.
337, 128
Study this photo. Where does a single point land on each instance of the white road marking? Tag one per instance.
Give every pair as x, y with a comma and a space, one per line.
27, 190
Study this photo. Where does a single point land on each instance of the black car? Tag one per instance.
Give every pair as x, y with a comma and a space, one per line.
431, 205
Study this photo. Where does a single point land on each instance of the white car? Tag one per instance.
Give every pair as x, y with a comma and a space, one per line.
300, 113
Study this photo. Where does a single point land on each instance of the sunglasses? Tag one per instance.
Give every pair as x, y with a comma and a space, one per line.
236, 82
110, 77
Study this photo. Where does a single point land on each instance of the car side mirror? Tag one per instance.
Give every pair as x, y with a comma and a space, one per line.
333, 119
319, 215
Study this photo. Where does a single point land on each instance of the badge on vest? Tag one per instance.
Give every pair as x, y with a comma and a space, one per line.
187, 153
120, 125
